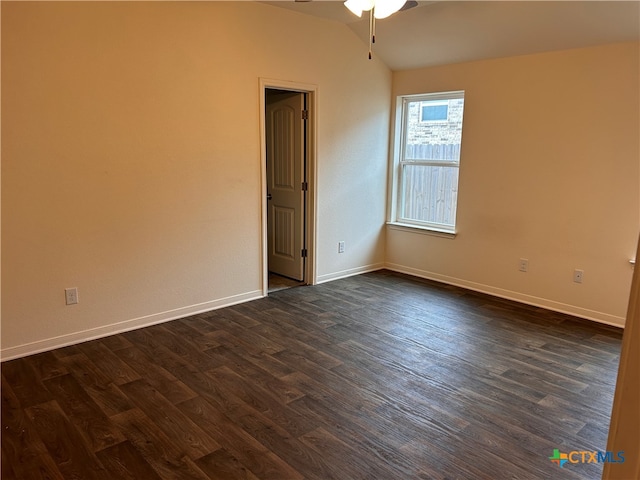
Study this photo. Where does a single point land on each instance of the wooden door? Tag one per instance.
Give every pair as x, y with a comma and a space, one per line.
285, 176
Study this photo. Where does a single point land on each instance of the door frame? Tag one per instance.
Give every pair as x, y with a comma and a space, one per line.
310, 214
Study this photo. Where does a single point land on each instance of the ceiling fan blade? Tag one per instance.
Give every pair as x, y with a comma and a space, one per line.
409, 4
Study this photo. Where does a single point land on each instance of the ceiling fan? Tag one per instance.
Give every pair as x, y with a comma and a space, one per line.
407, 4
377, 9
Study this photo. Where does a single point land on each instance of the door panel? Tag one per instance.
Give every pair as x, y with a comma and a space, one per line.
284, 233
285, 174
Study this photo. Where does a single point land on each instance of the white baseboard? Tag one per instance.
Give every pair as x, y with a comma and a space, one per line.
146, 321
576, 311
124, 326
348, 273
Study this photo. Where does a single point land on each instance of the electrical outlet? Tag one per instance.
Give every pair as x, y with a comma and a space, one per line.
71, 296
341, 247
524, 265
578, 275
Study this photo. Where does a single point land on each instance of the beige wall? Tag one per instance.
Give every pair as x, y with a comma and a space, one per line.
549, 172
131, 158
131, 165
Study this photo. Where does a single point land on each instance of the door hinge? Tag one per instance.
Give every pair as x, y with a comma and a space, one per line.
303, 253
305, 186
305, 114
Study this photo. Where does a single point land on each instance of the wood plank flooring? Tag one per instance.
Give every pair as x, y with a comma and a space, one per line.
378, 376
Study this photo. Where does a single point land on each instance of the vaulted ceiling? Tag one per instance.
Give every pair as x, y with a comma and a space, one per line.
436, 33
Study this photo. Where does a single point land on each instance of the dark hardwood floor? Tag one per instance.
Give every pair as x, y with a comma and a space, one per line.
378, 376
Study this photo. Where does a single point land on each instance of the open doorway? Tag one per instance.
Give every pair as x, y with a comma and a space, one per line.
285, 133
287, 187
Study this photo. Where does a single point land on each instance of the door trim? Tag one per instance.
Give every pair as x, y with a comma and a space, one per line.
311, 90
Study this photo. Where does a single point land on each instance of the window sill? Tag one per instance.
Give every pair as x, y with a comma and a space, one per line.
407, 227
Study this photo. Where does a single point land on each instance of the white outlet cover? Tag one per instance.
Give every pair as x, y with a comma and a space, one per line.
71, 296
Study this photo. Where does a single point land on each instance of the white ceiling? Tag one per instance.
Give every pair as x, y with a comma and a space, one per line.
436, 33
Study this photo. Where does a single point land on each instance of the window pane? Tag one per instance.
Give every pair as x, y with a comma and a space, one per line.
421, 151
429, 160
432, 113
430, 194
425, 140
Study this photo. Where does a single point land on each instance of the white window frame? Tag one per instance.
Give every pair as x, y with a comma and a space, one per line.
395, 220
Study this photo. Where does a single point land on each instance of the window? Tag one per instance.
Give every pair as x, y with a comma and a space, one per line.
426, 170
434, 111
